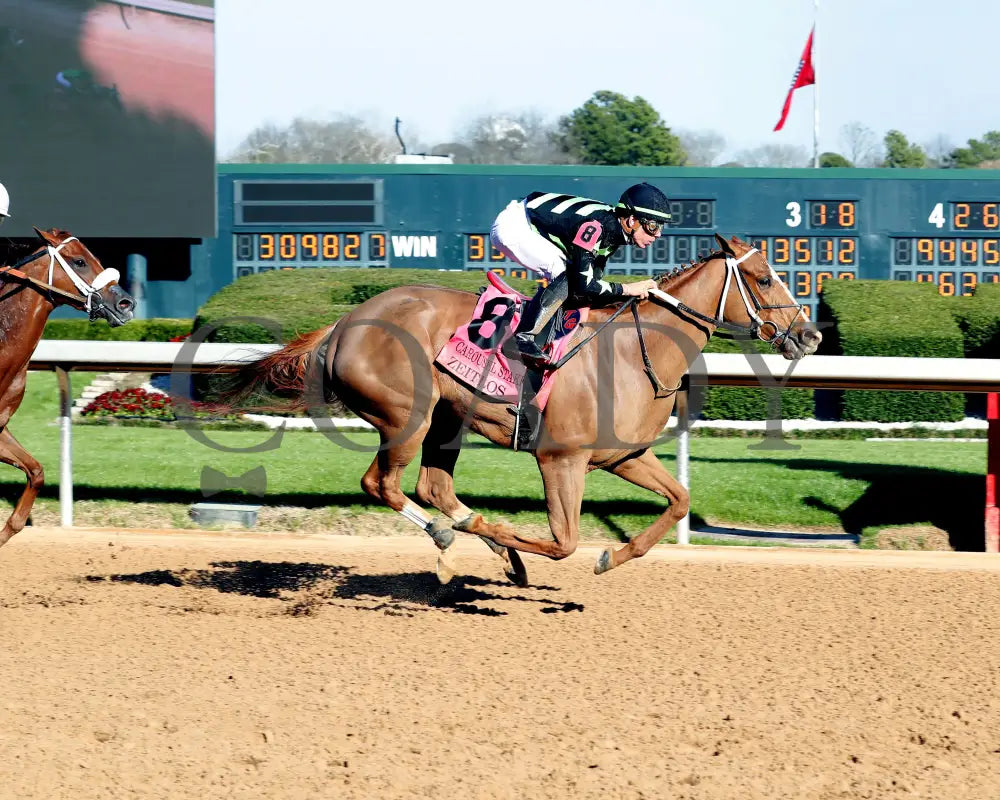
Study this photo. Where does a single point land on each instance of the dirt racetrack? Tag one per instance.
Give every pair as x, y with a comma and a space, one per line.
213, 666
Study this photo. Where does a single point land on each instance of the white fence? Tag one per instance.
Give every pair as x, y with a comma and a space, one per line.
770, 371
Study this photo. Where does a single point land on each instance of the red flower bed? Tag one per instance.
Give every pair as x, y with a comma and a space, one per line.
138, 403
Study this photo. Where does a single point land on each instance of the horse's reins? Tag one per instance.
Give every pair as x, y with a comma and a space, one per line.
754, 329
86, 290
757, 324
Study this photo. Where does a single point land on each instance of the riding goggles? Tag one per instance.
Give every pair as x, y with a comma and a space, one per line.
651, 226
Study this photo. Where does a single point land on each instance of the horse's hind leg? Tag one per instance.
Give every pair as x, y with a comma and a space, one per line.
645, 470
12, 453
436, 486
382, 481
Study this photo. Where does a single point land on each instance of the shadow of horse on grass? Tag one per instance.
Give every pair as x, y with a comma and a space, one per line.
307, 587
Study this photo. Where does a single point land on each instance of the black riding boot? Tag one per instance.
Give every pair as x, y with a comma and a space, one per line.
529, 416
535, 320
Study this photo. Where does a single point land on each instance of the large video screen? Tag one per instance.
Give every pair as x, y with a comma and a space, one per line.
107, 117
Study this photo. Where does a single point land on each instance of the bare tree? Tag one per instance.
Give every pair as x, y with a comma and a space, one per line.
774, 155
939, 150
344, 139
860, 145
702, 147
509, 138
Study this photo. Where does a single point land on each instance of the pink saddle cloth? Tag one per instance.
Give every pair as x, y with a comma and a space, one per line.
474, 354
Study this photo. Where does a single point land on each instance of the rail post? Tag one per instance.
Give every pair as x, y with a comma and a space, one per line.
65, 447
992, 471
683, 461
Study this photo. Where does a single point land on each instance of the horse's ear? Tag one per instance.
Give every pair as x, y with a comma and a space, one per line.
48, 237
726, 247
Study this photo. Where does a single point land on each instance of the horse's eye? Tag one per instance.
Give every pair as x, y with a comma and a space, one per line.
764, 283
79, 263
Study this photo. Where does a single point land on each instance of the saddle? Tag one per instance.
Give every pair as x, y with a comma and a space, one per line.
476, 355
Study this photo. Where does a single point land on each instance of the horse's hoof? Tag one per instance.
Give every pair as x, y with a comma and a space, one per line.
515, 568
499, 549
441, 532
446, 566
604, 562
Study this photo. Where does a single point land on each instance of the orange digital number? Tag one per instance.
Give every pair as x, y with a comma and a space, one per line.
310, 246
946, 284
925, 251
761, 245
286, 247
845, 215
376, 246
803, 284
331, 246
845, 251
820, 277
803, 252
518, 273
991, 251
991, 277
962, 212
968, 283
496, 255
846, 276
352, 246
925, 277
477, 247
782, 276
991, 215
782, 250
970, 252
946, 251
825, 248
265, 246
499, 271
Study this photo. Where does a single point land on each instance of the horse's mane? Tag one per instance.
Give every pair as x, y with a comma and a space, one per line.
11, 252
663, 279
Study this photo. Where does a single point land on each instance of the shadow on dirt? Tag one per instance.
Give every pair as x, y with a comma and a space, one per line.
307, 587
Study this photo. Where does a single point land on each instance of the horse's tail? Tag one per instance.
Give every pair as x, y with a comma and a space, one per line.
275, 382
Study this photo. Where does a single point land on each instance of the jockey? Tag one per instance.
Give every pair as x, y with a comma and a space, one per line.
568, 240
4, 204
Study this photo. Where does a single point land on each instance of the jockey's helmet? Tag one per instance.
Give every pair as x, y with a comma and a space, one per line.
647, 204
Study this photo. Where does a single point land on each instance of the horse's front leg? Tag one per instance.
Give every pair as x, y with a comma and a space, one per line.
12, 453
645, 470
563, 477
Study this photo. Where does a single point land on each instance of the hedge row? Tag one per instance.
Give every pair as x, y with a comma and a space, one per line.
139, 330
893, 318
745, 402
303, 300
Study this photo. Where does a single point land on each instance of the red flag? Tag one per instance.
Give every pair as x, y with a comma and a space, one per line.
804, 76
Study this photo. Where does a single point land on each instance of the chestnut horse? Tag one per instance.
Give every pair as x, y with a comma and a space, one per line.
59, 271
601, 414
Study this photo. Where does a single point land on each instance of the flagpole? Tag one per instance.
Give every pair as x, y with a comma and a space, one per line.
815, 90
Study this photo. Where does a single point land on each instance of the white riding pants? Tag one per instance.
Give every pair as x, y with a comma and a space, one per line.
513, 236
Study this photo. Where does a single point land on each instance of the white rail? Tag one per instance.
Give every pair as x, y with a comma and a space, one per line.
725, 369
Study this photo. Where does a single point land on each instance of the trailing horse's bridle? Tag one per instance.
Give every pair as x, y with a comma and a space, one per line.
87, 291
757, 325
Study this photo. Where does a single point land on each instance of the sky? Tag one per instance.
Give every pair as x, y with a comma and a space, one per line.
924, 67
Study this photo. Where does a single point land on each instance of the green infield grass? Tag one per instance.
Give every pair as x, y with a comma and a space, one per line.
137, 476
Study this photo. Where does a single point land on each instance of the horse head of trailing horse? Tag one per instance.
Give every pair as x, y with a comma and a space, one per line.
64, 271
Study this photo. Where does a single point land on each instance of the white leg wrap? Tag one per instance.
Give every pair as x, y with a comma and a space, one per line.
416, 515
462, 513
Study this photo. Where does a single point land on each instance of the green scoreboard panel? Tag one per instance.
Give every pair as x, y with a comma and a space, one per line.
937, 226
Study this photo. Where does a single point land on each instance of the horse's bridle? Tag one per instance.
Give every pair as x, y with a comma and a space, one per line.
757, 325
87, 291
